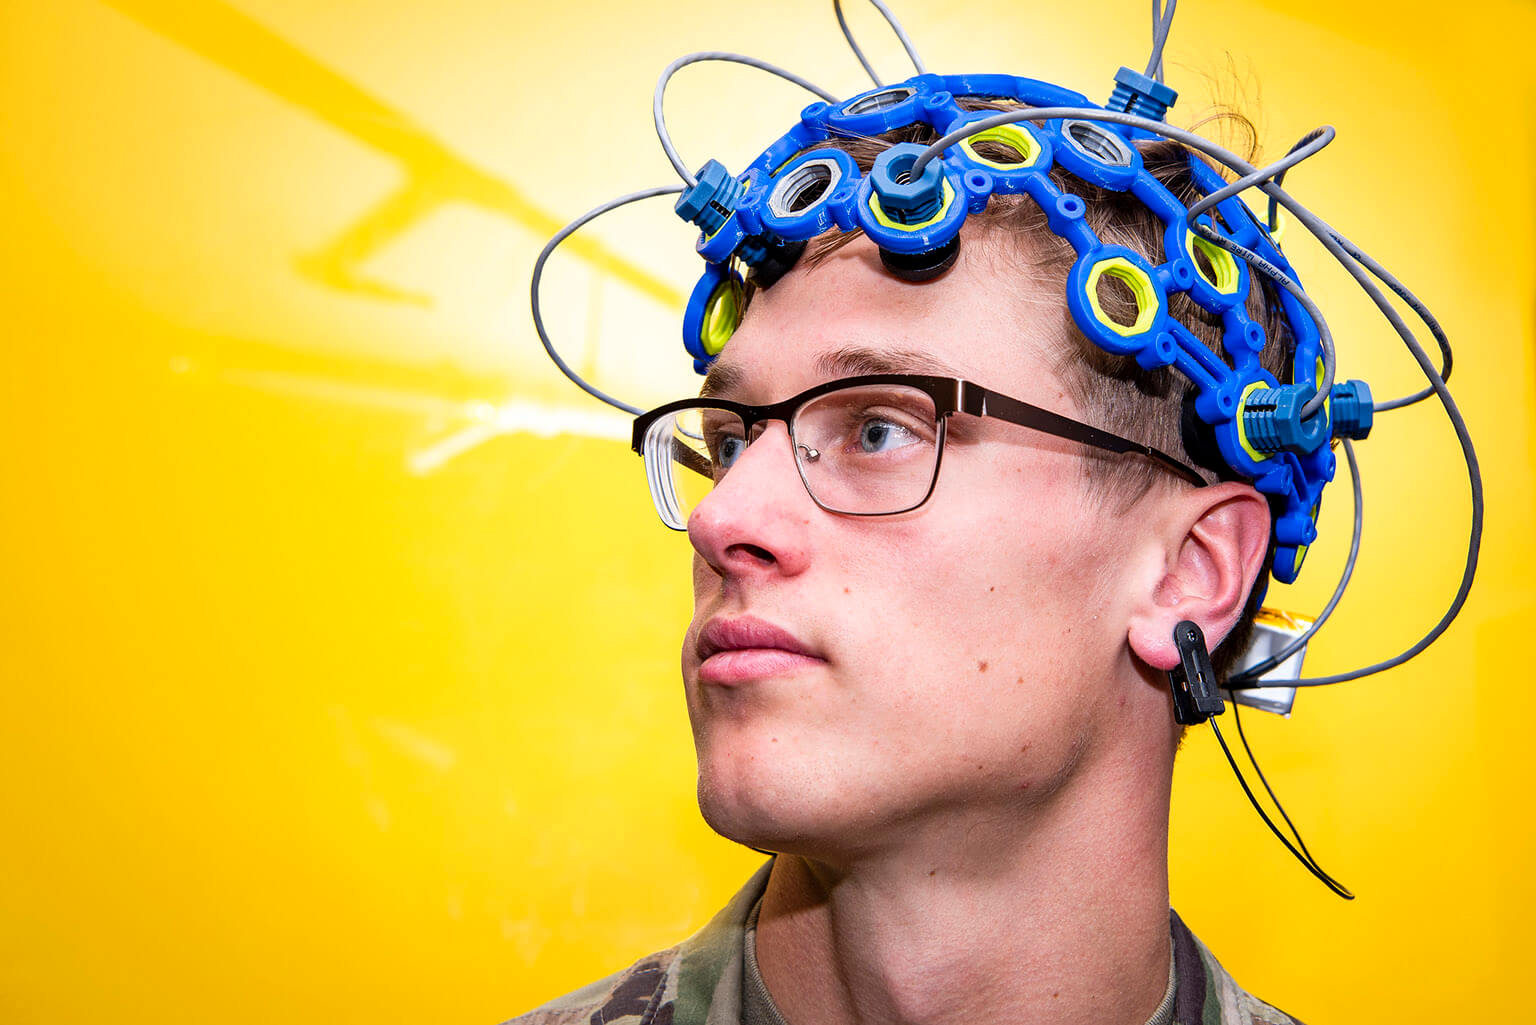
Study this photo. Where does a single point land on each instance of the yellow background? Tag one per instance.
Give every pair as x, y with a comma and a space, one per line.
338, 638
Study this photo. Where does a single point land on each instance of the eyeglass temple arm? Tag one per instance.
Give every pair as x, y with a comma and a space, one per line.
691, 459
1001, 407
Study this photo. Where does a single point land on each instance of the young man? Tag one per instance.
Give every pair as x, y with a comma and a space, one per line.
944, 705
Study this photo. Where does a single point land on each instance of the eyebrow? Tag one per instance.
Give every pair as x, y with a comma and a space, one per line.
722, 377
847, 361
852, 359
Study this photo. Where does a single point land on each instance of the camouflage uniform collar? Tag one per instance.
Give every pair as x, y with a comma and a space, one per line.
710, 962
698, 982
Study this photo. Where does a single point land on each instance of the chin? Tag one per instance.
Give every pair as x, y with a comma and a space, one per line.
748, 827
761, 801
744, 806
788, 810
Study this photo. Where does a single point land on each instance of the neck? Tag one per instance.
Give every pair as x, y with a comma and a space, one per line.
1062, 918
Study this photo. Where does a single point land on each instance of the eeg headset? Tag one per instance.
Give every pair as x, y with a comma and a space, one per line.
1278, 435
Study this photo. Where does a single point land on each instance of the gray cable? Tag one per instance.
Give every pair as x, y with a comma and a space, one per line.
1250, 677
1420, 310
713, 55
1162, 21
1270, 215
1313, 142
853, 44
1474, 543
538, 274
1384, 276
901, 34
1356, 268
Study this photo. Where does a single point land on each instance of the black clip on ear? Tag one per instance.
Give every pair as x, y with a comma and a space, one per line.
1193, 682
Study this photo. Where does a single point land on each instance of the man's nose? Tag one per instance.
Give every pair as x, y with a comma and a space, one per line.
756, 518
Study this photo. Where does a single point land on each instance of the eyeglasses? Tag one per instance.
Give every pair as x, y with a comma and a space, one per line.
865, 446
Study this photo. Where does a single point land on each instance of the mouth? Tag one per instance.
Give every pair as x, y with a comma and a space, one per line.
745, 648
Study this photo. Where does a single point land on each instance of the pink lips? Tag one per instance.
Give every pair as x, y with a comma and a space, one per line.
747, 648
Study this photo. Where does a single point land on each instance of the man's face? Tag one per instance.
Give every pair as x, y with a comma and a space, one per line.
850, 679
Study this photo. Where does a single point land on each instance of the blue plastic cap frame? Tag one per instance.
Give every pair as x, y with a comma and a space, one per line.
1098, 152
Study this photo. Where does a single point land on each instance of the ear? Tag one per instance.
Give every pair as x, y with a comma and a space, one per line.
1211, 549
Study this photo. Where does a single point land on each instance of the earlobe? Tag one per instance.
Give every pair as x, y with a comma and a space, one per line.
1211, 554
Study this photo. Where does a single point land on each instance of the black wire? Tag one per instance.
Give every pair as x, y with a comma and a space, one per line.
1237, 718
1307, 861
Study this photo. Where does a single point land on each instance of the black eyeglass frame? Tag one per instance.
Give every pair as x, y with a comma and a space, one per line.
950, 395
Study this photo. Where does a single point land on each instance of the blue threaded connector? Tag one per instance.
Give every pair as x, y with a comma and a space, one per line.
1137, 94
903, 201
1272, 420
710, 203
1352, 410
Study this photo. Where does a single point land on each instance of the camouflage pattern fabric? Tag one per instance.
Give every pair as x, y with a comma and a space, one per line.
698, 982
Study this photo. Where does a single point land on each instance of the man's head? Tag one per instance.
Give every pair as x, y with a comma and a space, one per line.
853, 678
1150, 406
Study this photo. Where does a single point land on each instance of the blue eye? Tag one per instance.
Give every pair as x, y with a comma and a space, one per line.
877, 435
727, 450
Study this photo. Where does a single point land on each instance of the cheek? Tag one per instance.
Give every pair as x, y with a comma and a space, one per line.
1029, 544
1013, 590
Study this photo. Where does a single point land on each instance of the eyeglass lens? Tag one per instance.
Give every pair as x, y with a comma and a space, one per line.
867, 449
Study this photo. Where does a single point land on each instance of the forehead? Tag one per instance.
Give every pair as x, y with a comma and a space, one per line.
988, 320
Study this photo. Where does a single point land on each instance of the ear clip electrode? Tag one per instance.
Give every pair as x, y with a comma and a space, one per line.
1196, 696
1197, 699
